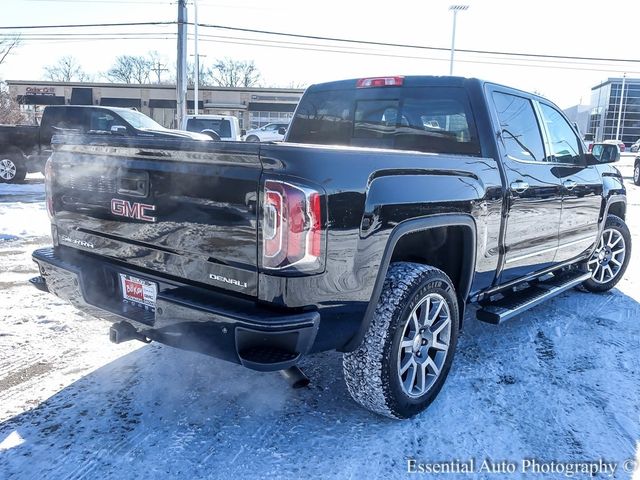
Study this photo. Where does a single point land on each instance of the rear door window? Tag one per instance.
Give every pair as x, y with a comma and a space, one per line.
519, 127
425, 119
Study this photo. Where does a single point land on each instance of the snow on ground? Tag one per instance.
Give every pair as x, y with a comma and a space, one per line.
560, 383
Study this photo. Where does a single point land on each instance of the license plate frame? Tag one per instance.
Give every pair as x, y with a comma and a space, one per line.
138, 291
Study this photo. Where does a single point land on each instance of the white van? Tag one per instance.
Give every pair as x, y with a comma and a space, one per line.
227, 128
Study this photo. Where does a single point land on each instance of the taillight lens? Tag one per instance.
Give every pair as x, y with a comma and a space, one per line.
292, 229
48, 186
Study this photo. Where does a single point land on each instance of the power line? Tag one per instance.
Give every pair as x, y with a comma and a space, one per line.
334, 39
85, 25
405, 45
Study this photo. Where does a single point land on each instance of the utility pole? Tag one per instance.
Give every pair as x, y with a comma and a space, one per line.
158, 68
624, 78
196, 80
181, 68
455, 9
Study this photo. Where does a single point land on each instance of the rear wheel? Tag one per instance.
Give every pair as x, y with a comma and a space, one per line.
12, 170
407, 352
611, 256
252, 138
636, 173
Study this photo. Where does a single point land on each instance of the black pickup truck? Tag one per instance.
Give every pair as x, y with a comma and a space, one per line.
393, 203
25, 148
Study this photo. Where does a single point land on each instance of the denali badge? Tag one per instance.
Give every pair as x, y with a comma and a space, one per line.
232, 281
123, 208
75, 241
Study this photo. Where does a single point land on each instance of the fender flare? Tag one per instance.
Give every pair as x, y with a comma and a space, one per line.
412, 226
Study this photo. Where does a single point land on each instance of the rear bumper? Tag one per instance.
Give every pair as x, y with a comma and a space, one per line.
186, 317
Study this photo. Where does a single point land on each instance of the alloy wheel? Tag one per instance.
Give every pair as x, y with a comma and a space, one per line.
608, 258
424, 345
7, 169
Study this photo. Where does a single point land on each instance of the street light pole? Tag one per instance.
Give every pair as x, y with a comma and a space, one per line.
455, 9
624, 78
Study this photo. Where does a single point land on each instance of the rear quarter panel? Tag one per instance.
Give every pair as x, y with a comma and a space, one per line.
369, 193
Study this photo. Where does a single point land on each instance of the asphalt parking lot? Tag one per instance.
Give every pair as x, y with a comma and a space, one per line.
561, 382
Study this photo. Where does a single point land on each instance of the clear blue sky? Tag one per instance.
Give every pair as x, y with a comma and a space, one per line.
576, 28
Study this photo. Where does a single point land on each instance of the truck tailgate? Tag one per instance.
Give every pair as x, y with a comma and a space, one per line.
187, 210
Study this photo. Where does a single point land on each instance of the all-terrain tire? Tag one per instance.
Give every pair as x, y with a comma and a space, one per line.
373, 371
617, 263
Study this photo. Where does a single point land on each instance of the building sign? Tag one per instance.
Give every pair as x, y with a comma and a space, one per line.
50, 91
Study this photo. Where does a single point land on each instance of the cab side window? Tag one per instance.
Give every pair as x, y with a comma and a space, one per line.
101, 121
519, 128
564, 142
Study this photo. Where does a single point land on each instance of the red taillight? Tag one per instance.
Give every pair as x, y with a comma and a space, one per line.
48, 186
380, 82
291, 226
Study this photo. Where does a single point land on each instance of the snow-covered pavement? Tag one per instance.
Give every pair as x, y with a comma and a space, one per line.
561, 383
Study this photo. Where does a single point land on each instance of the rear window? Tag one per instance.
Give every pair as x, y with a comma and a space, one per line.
221, 127
434, 119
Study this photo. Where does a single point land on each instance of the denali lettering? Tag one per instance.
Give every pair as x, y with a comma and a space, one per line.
232, 281
80, 243
124, 208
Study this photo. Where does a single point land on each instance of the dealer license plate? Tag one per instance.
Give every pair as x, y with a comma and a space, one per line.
138, 292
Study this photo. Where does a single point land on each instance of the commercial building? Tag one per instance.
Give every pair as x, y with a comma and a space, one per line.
611, 105
254, 107
579, 114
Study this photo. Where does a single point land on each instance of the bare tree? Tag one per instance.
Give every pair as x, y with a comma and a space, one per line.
8, 44
132, 69
66, 69
234, 73
10, 112
205, 78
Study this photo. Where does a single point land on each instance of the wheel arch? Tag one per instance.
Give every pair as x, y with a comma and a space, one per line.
465, 227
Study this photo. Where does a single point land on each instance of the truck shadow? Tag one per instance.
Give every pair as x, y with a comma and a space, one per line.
561, 382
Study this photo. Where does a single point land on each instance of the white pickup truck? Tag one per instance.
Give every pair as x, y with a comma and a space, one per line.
219, 127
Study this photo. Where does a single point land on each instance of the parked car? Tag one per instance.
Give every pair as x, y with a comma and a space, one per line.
25, 148
219, 127
636, 146
411, 198
620, 144
272, 132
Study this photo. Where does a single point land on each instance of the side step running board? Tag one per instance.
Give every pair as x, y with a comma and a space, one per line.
515, 303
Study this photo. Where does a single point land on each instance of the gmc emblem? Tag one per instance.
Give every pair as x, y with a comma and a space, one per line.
123, 208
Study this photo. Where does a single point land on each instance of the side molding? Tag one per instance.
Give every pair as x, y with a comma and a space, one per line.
412, 226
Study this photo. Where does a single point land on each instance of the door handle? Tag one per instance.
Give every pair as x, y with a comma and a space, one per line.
519, 186
569, 184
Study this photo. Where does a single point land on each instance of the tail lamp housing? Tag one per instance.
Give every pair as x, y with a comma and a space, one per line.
293, 234
49, 177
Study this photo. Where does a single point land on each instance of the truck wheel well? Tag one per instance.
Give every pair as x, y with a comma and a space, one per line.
618, 209
446, 248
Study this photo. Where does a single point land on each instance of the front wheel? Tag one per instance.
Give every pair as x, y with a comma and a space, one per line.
636, 173
11, 169
611, 256
408, 349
